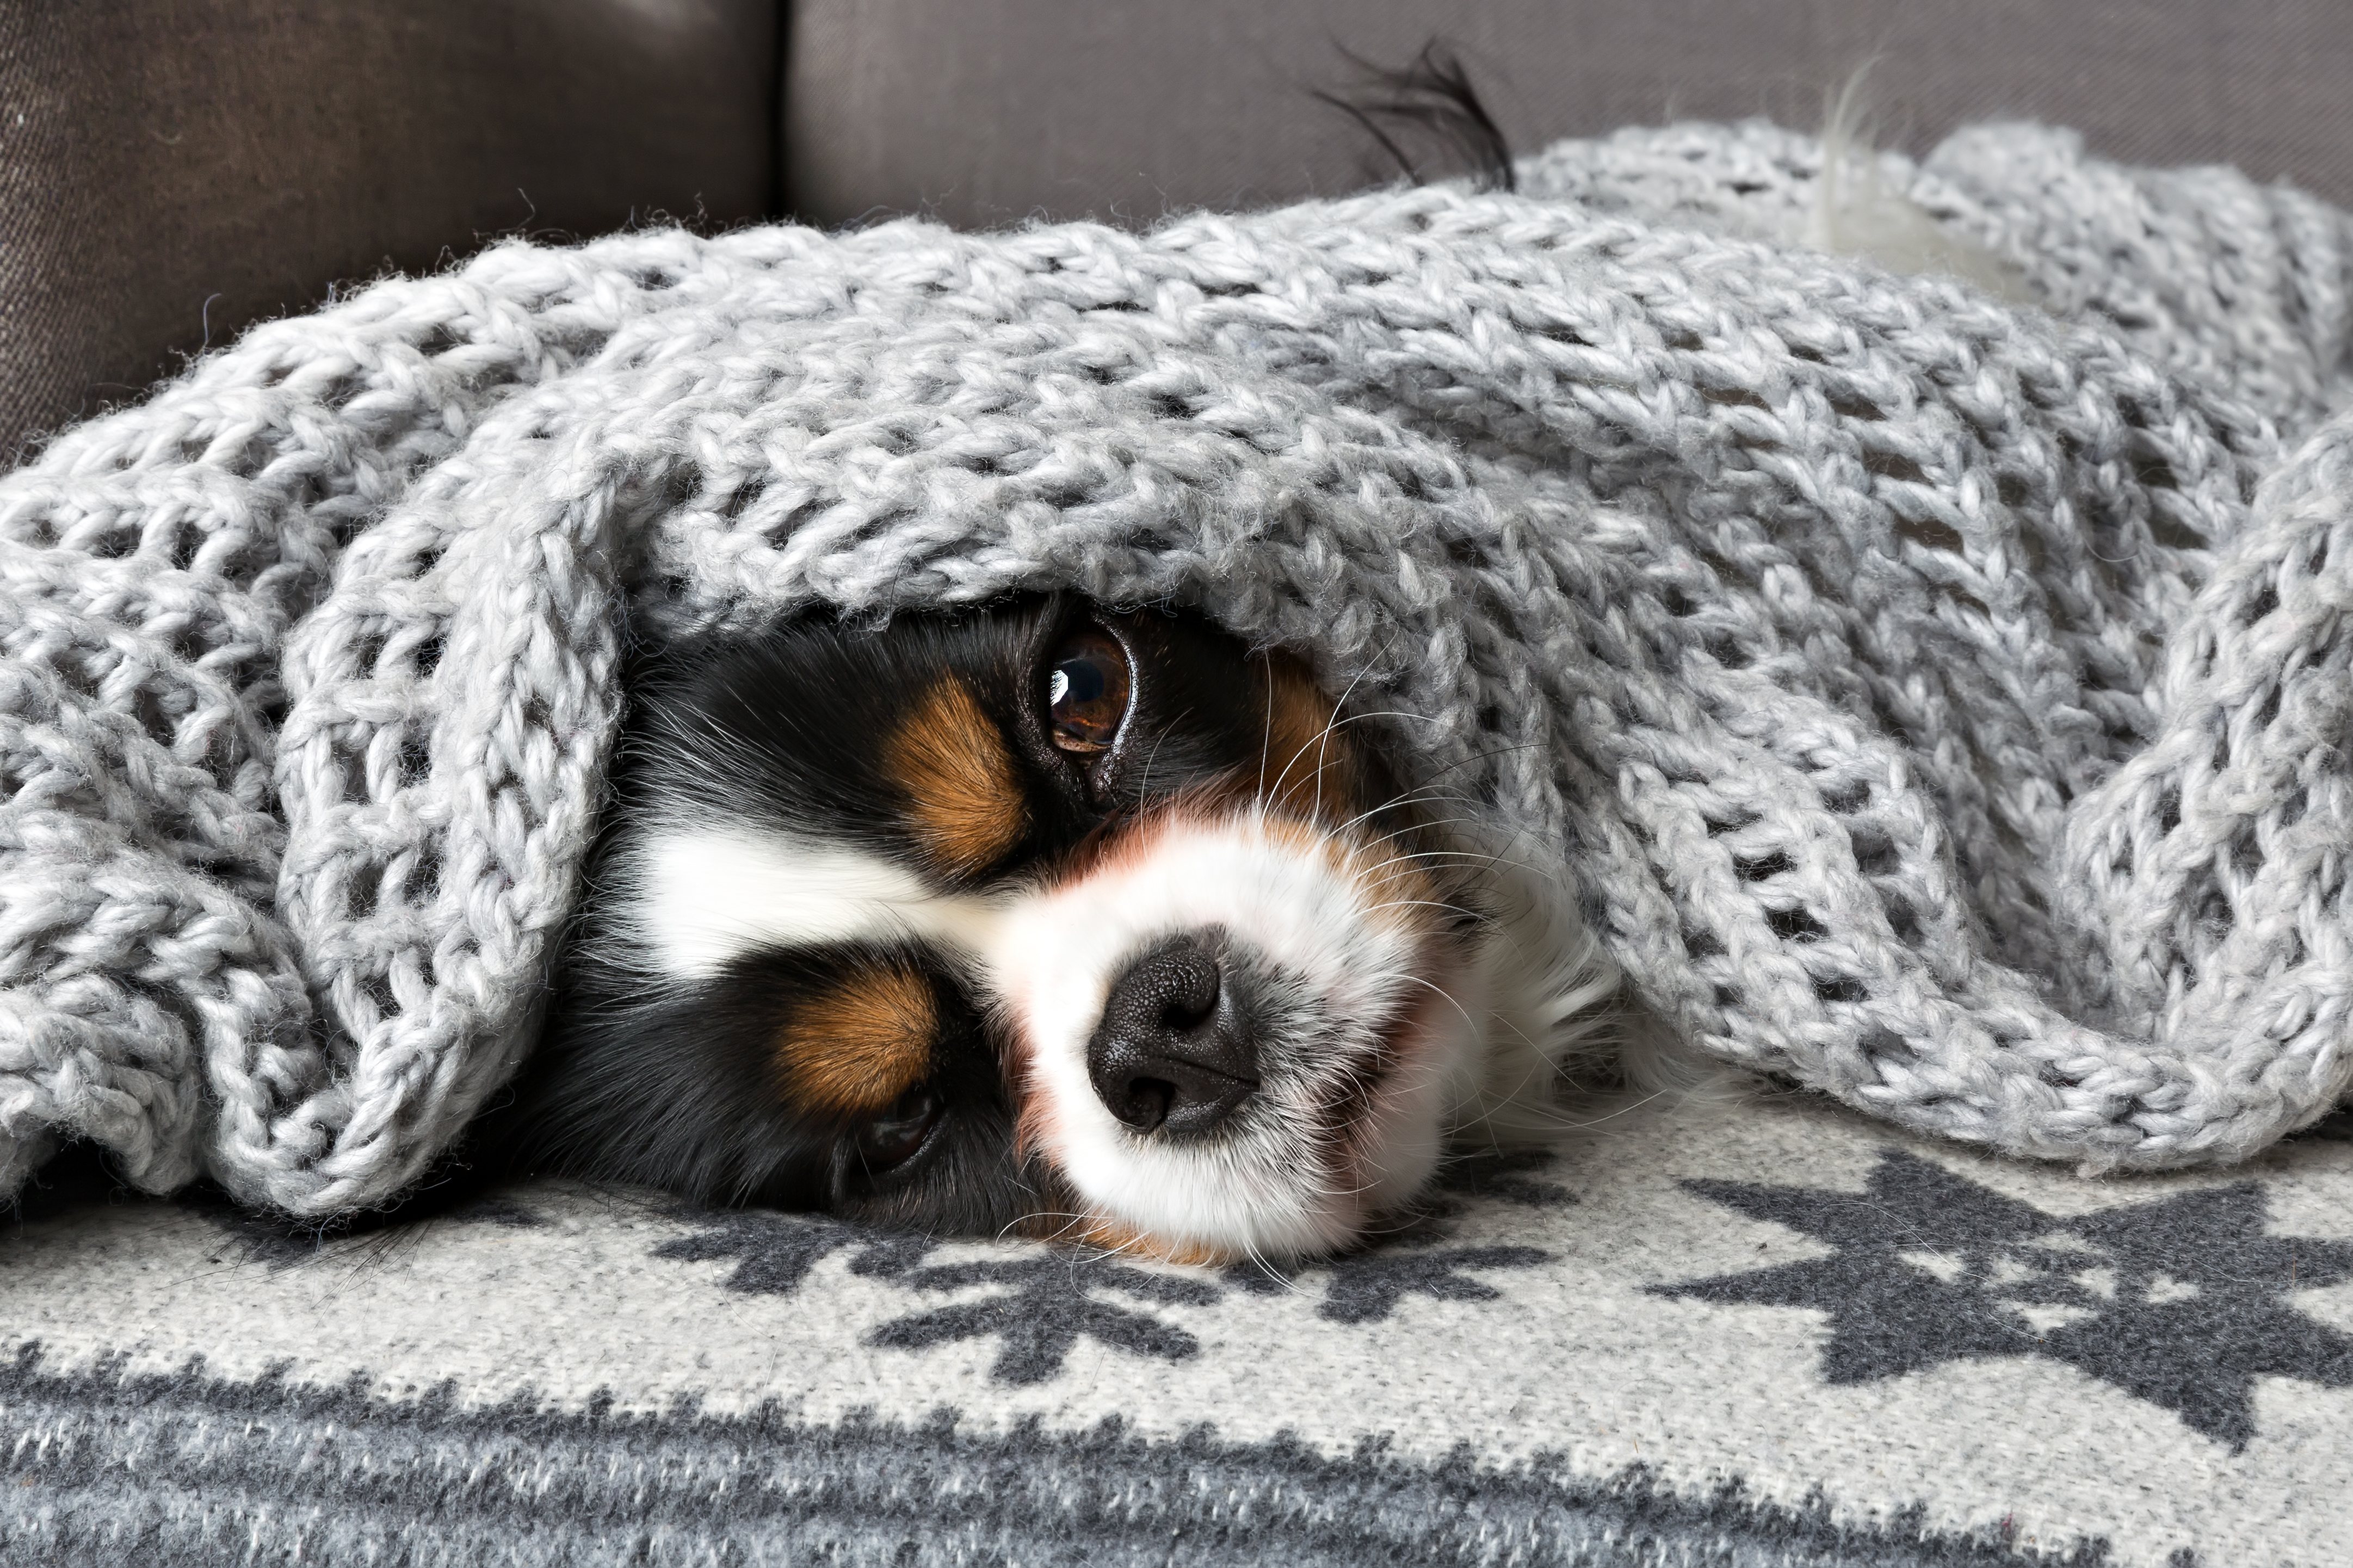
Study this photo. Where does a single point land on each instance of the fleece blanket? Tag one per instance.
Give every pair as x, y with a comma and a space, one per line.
1770, 1334
1939, 699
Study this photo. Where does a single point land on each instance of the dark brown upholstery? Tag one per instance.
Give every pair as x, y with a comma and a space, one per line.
985, 111
172, 169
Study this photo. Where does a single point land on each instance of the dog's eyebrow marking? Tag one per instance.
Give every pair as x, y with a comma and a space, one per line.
702, 895
965, 804
1309, 761
860, 1044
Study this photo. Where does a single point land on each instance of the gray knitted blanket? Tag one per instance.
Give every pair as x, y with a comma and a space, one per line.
1938, 702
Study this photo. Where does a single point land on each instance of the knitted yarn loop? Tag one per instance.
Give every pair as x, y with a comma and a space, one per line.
1938, 702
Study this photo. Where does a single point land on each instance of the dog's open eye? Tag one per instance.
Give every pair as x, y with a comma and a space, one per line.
892, 1137
1086, 691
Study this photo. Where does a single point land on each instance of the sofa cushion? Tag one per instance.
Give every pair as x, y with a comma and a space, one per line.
988, 111
169, 173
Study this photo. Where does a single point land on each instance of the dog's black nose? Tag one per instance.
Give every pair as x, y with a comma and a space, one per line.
1174, 1053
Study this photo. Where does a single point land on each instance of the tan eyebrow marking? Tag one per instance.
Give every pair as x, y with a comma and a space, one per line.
855, 1047
1310, 764
965, 802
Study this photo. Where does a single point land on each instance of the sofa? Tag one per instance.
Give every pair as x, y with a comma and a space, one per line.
1764, 1330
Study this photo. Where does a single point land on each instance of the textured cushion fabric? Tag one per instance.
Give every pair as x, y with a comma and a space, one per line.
988, 111
1762, 1335
172, 172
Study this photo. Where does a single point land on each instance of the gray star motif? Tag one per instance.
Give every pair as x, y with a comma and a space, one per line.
1050, 1306
2177, 1301
1367, 1287
775, 1252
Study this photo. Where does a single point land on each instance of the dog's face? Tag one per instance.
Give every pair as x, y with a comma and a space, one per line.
1038, 920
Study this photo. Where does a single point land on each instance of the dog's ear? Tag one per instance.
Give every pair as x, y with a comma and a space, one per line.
1425, 114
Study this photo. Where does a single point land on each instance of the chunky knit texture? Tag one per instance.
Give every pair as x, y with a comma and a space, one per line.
1938, 702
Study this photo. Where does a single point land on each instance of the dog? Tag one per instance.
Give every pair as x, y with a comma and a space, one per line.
1054, 920
1048, 920
1051, 920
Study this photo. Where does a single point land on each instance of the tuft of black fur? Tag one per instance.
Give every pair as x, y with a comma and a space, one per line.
1426, 102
